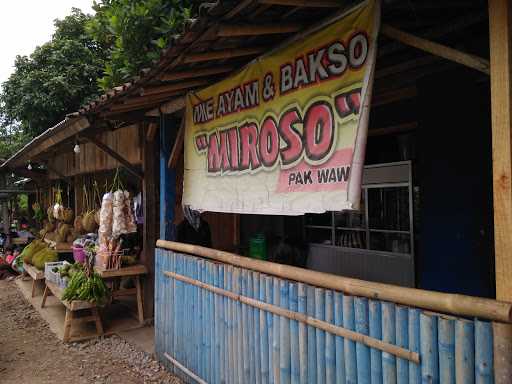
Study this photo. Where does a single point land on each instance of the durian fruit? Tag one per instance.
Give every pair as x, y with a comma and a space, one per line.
49, 213
68, 215
30, 250
72, 236
97, 216
59, 238
49, 227
46, 255
78, 226
88, 222
63, 230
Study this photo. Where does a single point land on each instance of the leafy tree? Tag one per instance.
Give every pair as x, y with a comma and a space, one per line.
55, 79
136, 32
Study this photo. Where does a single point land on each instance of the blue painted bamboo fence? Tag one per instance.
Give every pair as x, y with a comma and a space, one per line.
218, 337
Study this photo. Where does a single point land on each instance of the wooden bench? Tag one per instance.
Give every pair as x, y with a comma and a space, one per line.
71, 308
135, 271
35, 274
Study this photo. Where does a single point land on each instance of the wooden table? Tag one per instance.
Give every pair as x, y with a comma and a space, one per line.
35, 274
71, 308
20, 240
59, 247
135, 271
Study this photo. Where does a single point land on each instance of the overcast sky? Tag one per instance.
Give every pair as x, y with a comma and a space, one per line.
25, 24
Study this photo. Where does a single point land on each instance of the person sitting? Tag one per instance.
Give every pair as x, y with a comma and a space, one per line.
290, 251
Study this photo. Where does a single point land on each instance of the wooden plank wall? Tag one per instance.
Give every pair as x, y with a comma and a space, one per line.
125, 141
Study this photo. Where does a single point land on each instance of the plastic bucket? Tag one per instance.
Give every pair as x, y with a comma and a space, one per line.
258, 247
79, 255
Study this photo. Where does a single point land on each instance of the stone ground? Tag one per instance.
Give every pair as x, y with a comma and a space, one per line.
30, 353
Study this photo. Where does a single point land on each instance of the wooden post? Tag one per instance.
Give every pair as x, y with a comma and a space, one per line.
149, 193
168, 131
500, 34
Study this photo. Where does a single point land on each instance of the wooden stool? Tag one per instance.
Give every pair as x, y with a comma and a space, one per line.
35, 274
71, 308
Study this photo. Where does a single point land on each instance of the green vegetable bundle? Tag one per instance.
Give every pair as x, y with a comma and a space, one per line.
92, 289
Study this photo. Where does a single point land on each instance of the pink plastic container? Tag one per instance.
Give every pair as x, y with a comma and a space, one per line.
79, 255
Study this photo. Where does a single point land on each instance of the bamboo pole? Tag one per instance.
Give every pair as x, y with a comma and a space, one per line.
500, 35
168, 107
297, 316
436, 301
178, 146
186, 371
437, 49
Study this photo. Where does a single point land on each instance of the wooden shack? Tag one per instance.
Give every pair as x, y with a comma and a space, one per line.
443, 70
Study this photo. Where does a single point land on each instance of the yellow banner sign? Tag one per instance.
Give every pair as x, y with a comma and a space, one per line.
287, 134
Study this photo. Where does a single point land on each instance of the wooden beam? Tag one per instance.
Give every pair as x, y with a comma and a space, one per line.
393, 96
169, 107
141, 100
150, 192
200, 72
257, 29
109, 151
64, 178
223, 54
178, 145
439, 30
173, 87
239, 8
500, 34
151, 131
304, 3
437, 49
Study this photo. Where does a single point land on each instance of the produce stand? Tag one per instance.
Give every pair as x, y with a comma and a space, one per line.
35, 274
59, 247
71, 308
135, 271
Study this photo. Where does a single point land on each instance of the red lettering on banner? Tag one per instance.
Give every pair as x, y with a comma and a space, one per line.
248, 143
291, 137
269, 142
252, 145
318, 130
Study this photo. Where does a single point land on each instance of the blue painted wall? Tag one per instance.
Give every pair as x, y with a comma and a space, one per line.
221, 340
168, 131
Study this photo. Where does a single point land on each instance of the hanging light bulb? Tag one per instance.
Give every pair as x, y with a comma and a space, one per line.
29, 166
76, 148
13, 175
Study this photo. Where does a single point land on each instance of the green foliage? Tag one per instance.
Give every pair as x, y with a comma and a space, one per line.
86, 54
12, 138
57, 78
136, 32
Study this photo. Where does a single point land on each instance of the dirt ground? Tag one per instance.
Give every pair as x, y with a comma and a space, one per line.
30, 353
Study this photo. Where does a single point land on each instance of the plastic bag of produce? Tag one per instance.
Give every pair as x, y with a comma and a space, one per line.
130, 220
106, 218
119, 217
